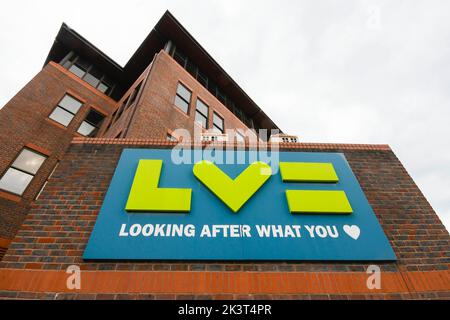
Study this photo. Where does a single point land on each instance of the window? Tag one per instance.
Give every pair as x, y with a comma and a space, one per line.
86, 71
180, 58
183, 98
202, 78
91, 124
217, 123
191, 68
79, 67
65, 110
212, 87
240, 138
222, 98
21, 172
208, 83
77, 71
201, 113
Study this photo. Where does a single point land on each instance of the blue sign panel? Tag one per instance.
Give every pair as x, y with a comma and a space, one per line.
268, 226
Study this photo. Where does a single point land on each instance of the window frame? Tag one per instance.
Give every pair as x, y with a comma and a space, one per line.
72, 58
11, 166
66, 110
204, 80
182, 98
221, 130
96, 127
205, 116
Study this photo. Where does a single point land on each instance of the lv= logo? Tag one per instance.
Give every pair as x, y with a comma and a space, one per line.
146, 196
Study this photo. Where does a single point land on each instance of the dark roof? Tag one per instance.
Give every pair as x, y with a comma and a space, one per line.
167, 28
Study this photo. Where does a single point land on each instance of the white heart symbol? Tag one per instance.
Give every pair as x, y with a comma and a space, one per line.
353, 231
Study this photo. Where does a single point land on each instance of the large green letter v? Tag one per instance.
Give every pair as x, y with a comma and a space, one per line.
234, 193
146, 196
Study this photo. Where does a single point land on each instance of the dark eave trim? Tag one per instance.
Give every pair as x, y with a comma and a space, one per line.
86, 43
151, 45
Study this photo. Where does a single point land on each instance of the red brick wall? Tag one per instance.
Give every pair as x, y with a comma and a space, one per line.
58, 226
24, 121
156, 113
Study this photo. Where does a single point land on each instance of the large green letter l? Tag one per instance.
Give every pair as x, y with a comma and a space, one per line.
146, 196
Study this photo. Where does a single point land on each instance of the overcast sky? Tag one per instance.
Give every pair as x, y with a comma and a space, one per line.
328, 71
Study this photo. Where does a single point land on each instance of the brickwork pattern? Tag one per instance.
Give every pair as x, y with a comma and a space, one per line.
58, 226
156, 113
24, 121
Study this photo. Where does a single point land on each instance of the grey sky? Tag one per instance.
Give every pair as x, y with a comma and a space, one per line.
329, 71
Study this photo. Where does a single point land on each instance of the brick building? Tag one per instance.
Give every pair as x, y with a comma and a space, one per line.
65, 131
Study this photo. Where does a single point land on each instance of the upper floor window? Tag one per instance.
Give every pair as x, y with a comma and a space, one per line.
90, 126
180, 58
86, 71
240, 138
183, 98
218, 123
201, 113
66, 110
19, 175
187, 63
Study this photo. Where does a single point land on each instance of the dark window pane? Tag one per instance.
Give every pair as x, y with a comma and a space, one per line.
238, 113
83, 64
29, 161
222, 98
202, 78
77, 71
192, 69
180, 103
95, 118
200, 118
15, 181
86, 128
70, 104
180, 58
212, 87
61, 116
247, 122
183, 92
